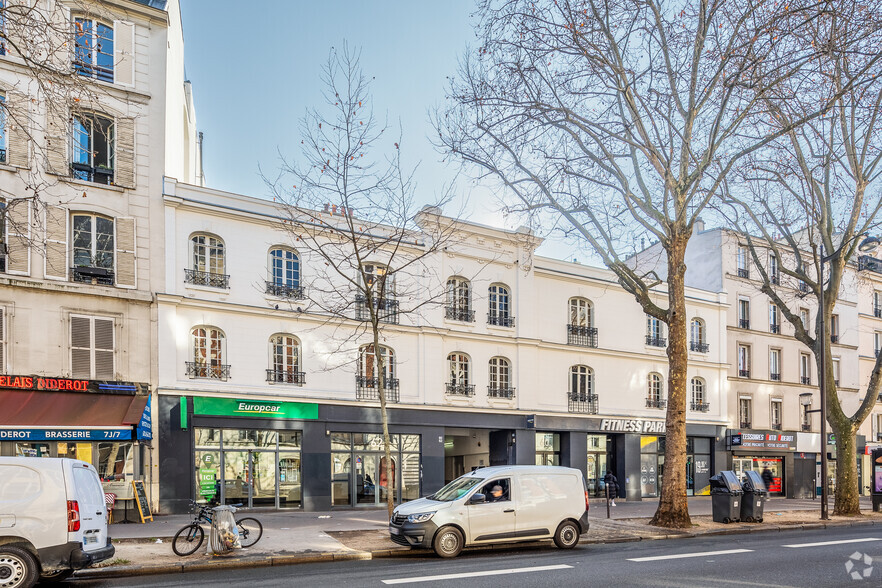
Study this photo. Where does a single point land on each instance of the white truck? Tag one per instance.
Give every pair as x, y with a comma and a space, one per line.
53, 519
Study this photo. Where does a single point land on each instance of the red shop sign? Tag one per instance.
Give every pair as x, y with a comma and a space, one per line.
40, 383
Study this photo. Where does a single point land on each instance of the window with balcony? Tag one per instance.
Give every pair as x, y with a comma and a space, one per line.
369, 379
806, 419
92, 347
743, 361
654, 332
774, 318
500, 379
775, 365
836, 371
699, 396
459, 378
93, 249
698, 336
459, 300
581, 395
209, 353
774, 270
834, 328
581, 330
284, 273
3, 118
92, 151
93, 49
381, 284
745, 412
742, 267
209, 262
4, 236
743, 313
3, 330
655, 397
805, 369
805, 319
499, 306
877, 429
776, 414
877, 304
285, 361
877, 343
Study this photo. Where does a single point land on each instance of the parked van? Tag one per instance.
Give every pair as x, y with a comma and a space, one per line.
53, 519
499, 504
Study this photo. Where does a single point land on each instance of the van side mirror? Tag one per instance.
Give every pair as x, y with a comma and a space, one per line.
477, 498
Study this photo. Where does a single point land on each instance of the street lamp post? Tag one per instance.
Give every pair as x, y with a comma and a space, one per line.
805, 399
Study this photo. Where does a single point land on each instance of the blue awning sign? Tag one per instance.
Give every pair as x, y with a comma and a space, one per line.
65, 434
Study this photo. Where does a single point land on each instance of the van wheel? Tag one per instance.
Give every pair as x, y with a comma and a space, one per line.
448, 542
567, 535
59, 576
18, 569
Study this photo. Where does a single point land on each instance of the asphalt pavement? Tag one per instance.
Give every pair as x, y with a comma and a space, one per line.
787, 558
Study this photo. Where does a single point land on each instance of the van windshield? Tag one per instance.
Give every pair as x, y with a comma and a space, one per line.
455, 489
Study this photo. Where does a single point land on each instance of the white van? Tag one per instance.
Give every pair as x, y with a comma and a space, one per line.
53, 519
499, 504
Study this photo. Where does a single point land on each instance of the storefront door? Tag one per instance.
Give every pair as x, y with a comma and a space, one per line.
367, 476
237, 477
264, 477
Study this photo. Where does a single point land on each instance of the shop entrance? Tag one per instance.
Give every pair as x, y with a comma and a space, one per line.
774, 465
466, 450
598, 463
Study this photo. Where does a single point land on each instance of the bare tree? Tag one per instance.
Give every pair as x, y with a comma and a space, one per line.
623, 118
355, 215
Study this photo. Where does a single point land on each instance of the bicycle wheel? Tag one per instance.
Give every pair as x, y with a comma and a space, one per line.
188, 540
250, 531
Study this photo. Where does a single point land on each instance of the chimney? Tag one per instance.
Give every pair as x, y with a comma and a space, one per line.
200, 175
699, 226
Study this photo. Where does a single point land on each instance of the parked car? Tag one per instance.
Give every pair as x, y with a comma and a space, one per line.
53, 519
499, 504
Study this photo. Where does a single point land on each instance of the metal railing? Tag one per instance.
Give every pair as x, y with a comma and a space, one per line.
500, 320
368, 388
803, 287
775, 377
285, 377
744, 424
805, 380
656, 341
91, 70
699, 347
743, 373
581, 336
459, 313
775, 279
743, 272
775, 329
387, 309
834, 338
212, 280
777, 426
283, 291
497, 392
460, 389
653, 403
92, 275
877, 311
583, 403
98, 175
744, 323
208, 371
700, 406
806, 427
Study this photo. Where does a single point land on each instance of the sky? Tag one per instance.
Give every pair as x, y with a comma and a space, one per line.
255, 72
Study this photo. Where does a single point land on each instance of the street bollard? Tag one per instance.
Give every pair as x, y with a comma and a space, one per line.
606, 488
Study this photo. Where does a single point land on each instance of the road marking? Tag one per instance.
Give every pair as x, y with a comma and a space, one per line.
476, 574
822, 543
685, 555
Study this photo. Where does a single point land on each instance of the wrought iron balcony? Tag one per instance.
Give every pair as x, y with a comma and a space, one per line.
834, 338
871, 264
583, 403
775, 329
700, 406
777, 426
212, 280
775, 377
283, 291
744, 424
877, 311
805, 380
217, 371
743, 373
92, 275
500, 320
498, 392
285, 377
699, 347
744, 323
803, 287
387, 309
743, 272
87, 173
775, 279
653, 403
369, 389
460, 389
836, 382
459, 313
656, 341
806, 427
581, 336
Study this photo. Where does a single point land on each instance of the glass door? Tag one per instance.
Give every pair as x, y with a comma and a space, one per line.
264, 472
236, 478
367, 477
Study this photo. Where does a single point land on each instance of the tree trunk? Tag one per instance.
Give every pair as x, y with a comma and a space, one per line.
673, 510
387, 445
847, 492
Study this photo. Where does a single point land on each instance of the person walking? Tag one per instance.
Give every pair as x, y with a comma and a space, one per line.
768, 478
612, 485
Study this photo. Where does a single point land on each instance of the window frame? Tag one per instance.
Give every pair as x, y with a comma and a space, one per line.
698, 390
581, 310
499, 301
93, 241
654, 387
96, 45
581, 383
774, 319
93, 346
744, 360
499, 373
290, 277
745, 412
213, 363
459, 368
777, 353
211, 252
776, 418
389, 364
291, 350
92, 126
459, 293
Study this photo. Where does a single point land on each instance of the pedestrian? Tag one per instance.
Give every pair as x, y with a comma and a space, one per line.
612, 485
768, 478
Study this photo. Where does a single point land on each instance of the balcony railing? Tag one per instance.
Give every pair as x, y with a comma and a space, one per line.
744, 424
283, 291
459, 313
497, 392
87, 173
805, 380
656, 341
212, 280
806, 427
775, 279
91, 70
387, 310
743, 373
834, 338
803, 287
581, 336
208, 371
654, 403
460, 389
285, 377
865, 262
877, 311
700, 406
775, 377
92, 275
777, 426
775, 329
744, 323
500, 320
878, 437
699, 347
743, 272
368, 389
583, 403
836, 382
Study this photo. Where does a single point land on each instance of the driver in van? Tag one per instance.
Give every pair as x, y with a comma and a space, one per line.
496, 494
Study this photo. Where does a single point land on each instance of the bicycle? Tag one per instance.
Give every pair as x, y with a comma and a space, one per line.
190, 538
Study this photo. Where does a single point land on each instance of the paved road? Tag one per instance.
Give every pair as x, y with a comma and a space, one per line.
790, 558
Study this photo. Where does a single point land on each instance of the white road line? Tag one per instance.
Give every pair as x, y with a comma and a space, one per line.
476, 574
685, 555
822, 543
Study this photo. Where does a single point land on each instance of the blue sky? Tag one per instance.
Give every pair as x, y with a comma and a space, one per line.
255, 71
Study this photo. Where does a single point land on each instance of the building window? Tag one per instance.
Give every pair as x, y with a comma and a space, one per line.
92, 152
836, 371
381, 285
581, 330
775, 415
699, 397
804, 318
805, 369
459, 300
834, 328
654, 332
743, 313
774, 319
743, 361
91, 348
368, 380
877, 304
4, 236
654, 392
774, 269
877, 432
92, 249
3, 329
458, 380
877, 343
500, 379
806, 417
285, 358
93, 49
582, 397
745, 412
208, 255
775, 365
377, 279
698, 333
208, 354
3, 117
499, 306
742, 268
284, 279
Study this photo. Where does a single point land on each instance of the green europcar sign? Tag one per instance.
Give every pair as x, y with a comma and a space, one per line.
254, 408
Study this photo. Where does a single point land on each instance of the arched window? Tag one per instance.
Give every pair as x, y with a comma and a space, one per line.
499, 306
581, 383
209, 349
580, 329
284, 273
698, 333
459, 300
368, 379
699, 399
209, 263
655, 332
654, 391
500, 379
459, 377
285, 360
377, 278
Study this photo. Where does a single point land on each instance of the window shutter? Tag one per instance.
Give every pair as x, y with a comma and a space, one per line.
103, 349
125, 152
57, 132
15, 17
18, 230
80, 347
18, 129
124, 53
56, 243
125, 252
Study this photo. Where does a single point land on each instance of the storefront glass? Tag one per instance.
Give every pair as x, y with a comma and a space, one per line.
32, 450
547, 449
598, 463
652, 459
774, 465
359, 472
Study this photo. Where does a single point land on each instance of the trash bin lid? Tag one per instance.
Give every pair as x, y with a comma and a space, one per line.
753, 482
726, 480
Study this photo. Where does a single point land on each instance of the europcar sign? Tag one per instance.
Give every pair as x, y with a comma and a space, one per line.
254, 408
